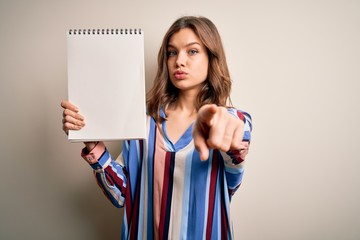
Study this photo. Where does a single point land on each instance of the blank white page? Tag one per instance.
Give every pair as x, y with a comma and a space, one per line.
106, 81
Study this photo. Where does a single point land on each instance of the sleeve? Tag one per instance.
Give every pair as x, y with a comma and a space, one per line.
233, 159
110, 174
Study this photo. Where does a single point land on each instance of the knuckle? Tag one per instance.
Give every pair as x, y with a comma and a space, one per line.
240, 125
214, 143
224, 143
70, 119
67, 125
236, 145
225, 146
66, 112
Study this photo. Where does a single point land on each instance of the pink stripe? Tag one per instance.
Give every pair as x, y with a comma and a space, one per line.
159, 169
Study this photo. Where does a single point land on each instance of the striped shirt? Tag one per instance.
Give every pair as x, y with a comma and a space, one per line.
166, 190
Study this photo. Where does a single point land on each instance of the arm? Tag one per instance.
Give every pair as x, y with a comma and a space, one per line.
227, 130
109, 174
233, 159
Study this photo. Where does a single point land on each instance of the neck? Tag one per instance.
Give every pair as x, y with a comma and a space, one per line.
185, 103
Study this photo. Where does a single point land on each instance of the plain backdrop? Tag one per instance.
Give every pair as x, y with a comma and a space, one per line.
295, 67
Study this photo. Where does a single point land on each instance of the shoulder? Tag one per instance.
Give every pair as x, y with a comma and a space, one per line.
243, 115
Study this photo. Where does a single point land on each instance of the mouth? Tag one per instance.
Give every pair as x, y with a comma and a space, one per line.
180, 75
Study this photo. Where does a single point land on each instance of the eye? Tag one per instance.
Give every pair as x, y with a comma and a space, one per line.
193, 52
171, 53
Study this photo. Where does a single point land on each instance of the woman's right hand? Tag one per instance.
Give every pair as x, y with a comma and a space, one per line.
72, 120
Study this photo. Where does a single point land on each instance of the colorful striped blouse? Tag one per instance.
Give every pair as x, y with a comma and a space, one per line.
166, 190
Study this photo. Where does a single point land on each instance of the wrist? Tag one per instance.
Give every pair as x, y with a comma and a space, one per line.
90, 145
93, 151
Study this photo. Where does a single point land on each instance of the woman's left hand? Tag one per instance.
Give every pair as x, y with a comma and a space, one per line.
216, 128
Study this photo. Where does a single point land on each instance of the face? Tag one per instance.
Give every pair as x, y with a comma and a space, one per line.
187, 60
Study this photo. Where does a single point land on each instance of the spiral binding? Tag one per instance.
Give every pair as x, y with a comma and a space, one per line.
104, 31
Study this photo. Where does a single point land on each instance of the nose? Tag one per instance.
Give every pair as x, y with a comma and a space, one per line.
180, 59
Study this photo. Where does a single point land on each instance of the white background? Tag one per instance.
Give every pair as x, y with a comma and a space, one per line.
295, 67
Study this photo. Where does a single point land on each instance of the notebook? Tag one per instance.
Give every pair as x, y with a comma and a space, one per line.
106, 81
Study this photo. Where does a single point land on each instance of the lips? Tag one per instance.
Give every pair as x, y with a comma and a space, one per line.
180, 75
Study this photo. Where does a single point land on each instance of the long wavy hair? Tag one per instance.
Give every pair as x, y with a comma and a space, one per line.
216, 88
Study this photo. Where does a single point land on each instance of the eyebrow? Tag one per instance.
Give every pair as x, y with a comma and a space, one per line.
187, 45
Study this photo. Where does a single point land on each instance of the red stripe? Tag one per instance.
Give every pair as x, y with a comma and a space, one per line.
224, 222
236, 156
109, 180
225, 226
240, 115
110, 177
128, 200
164, 195
141, 144
213, 179
135, 215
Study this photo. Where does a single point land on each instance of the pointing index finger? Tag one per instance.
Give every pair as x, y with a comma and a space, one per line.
206, 114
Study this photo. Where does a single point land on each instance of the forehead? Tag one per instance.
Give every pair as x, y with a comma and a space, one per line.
184, 37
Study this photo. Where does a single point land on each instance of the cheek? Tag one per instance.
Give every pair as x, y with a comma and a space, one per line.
170, 62
204, 67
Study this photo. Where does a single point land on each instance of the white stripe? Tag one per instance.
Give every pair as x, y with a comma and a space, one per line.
186, 195
112, 190
177, 192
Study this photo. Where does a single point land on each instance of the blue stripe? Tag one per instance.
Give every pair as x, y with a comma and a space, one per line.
150, 180
234, 170
102, 160
121, 188
185, 139
233, 180
216, 231
225, 200
197, 198
247, 136
142, 192
133, 167
125, 227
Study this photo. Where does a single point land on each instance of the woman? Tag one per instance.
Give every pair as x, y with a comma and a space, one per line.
177, 184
